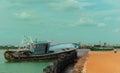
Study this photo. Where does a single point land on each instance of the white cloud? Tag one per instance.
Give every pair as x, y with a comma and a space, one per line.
112, 2
4, 4
70, 3
86, 21
117, 30
109, 18
101, 24
23, 15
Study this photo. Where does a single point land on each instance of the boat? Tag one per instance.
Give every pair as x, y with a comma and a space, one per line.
35, 51
101, 49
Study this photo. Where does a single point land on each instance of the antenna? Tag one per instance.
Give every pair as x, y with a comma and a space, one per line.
28, 40
31, 41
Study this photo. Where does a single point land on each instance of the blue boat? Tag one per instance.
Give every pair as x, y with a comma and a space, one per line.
38, 50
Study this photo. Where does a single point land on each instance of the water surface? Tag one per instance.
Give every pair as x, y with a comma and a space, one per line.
21, 67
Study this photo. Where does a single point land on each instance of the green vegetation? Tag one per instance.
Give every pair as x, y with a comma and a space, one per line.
116, 46
101, 49
8, 47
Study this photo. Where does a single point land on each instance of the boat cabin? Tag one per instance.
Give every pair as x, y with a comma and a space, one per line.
40, 47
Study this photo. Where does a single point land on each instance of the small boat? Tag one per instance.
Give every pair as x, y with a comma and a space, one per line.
37, 50
101, 49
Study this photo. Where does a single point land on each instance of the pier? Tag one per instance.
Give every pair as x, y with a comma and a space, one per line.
61, 63
66, 62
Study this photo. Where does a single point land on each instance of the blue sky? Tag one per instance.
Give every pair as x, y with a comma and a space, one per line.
85, 21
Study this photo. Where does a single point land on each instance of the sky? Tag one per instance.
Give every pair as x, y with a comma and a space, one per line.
85, 21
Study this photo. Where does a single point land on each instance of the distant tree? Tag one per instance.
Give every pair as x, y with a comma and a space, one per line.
8, 47
116, 46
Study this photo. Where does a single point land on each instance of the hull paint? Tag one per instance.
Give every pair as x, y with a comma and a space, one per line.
9, 55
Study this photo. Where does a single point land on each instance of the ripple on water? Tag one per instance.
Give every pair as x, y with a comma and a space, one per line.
21, 67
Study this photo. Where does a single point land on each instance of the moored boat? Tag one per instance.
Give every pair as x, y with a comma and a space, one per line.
101, 49
38, 50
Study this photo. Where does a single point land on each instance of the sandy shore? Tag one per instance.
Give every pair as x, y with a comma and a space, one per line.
76, 68
80, 65
103, 62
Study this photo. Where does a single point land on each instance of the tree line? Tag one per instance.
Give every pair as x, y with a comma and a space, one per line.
8, 47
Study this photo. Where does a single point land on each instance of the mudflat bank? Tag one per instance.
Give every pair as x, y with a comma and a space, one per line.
103, 62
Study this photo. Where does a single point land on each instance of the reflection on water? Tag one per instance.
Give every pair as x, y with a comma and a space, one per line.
21, 67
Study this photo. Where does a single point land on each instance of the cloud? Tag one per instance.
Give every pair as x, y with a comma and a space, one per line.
23, 15
70, 4
115, 2
108, 18
89, 22
7, 4
101, 24
117, 30
86, 21
4, 4
34, 1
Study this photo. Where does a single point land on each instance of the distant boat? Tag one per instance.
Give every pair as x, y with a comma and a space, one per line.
37, 50
101, 49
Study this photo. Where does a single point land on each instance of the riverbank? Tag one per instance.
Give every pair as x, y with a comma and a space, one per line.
98, 62
103, 62
81, 53
81, 64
